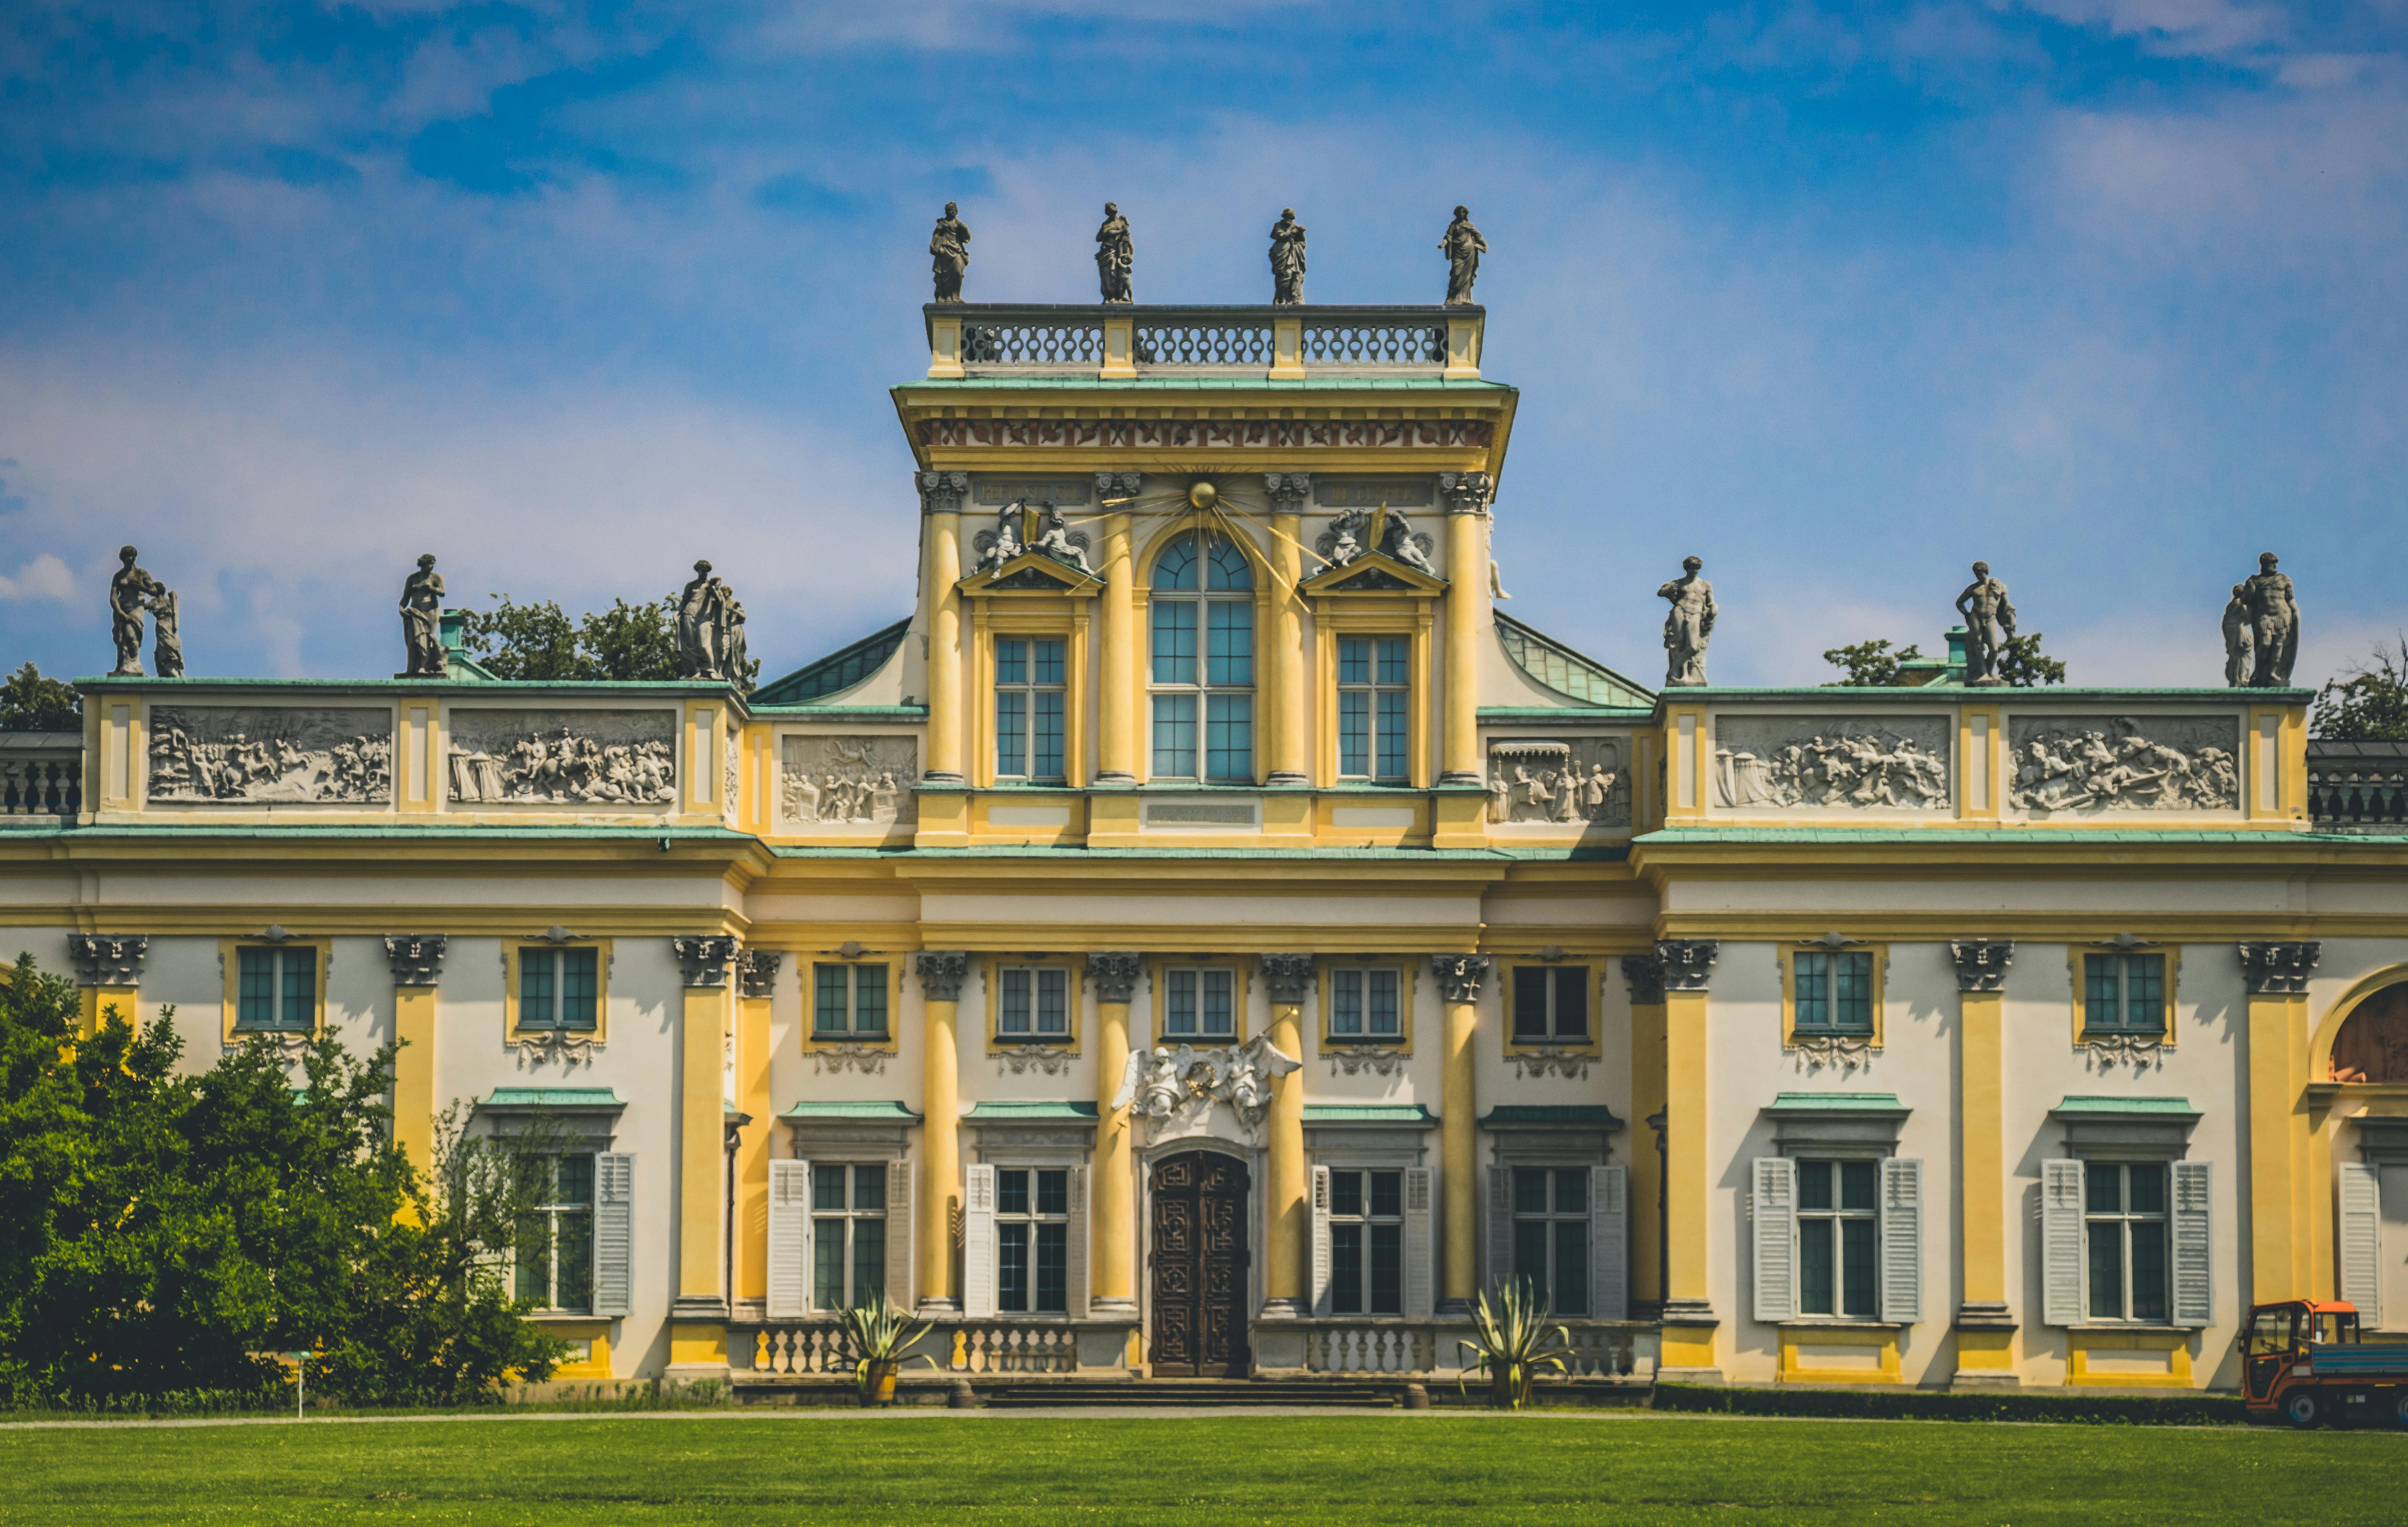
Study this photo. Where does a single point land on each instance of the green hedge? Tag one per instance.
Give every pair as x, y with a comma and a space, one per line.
1931, 1404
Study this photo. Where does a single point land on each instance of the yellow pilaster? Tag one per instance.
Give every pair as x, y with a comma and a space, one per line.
698, 1315
1459, 977
98, 999
943, 524
1689, 1346
2282, 1261
1985, 1325
1284, 1277
1466, 607
1287, 749
750, 1231
1117, 715
1646, 1100
1112, 1249
940, 1147
413, 1073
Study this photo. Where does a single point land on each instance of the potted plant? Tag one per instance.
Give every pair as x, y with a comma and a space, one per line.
1513, 1340
881, 1337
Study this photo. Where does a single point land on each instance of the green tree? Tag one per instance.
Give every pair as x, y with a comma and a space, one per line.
1869, 664
633, 641
30, 703
538, 641
2023, 665
2371, 705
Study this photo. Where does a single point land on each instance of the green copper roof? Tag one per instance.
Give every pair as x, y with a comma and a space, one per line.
1180, 382
1567, 672
1836, 1103
1568, 1115
2154, 1107
1367, 1113
553, 1097
839, 670
992, 1113
2061, 837
888, 1111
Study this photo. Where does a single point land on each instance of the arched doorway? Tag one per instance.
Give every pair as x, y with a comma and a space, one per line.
2372, 1043
1197, 1253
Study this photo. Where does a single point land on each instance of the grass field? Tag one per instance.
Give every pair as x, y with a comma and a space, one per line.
1314, 1471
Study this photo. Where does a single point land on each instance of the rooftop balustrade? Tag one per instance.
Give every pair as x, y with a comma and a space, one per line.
2358, 786
41, 778
1126, 342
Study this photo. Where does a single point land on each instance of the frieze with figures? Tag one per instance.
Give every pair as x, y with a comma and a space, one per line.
2163, 764
1537, 779
271, 754
587, 757
1830, 762
856, 780
1207, 434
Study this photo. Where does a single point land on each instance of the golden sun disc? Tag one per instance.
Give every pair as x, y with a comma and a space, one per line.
1203, 495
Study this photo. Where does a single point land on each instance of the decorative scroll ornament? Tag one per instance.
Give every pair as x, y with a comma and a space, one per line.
942, 972
1466, 492
2278, 969
1982, 962
1688, 962
870, 1059
569, 1047
1112, 485
1460, 975
288, 1044
1380, 1060
1553, 1061
756, 972
1160, 1083
2139, 1050
1289, 492
1115, 974
1050, 1059
941, 493
703, 960
1191, 435
416, 959
1288, 977
108, 958
1845, 1051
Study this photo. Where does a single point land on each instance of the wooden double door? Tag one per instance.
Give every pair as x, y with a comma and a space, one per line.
1197, 1254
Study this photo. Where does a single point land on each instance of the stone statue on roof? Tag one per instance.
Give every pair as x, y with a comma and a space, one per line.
130, 594
948, 247
2240, 637
1988, 613
1115, 255
2274, 614
1288, 260
421, 622
1463, 247
1689, 625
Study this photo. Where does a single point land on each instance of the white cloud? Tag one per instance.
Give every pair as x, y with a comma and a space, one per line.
44, 578
2177, 27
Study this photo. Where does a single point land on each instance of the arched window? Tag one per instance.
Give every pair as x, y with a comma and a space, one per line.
2372, 1044
1202, 646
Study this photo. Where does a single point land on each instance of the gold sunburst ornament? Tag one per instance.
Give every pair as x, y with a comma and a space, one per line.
1202, 494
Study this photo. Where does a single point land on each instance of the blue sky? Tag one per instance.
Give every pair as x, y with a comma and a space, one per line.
2106, 292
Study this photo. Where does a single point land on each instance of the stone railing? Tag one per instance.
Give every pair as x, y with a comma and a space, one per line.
41, 776
2358, 786
1108, 343
1600, 1349
971, 1348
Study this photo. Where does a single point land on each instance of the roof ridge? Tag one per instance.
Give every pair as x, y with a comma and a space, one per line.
1614, 679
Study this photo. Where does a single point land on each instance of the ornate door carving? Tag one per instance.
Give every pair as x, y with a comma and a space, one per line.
1198, 1257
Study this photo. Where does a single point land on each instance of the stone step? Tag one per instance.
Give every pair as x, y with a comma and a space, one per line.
1194, 1391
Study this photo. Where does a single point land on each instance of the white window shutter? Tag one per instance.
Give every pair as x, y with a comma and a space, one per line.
614, 1233
1901, 1241
899, 1239
790, 1239
1609, 1255
1420, 1294
1076, 1249
2194, 1301
2361, 1242
2060, 1241
978, 1243
1776, 1211
1320, 1289
1500, 1226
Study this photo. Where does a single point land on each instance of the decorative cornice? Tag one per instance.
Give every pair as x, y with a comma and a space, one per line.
2272, 970
756, 972
703, 959
1982, 962
1645, 972
1466, 492
942, 972
1116, 973
1688, 962
941, 493
1460, 975
1204, 434
1288, 977
416, 959
1289, 492
108, 958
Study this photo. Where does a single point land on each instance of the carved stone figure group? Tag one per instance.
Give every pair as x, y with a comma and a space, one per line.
1689, 625
1054, 538
2262, 629
565, 766
2082, 768
836, 797
709, 629
1542, 782
1860, 768
131, 593
1352, 533
861, 780
1160, 1083
257, 755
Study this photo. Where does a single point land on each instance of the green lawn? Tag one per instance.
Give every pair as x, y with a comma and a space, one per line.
1318, 1471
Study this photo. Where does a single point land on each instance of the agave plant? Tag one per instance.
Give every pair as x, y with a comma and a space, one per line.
880, 1335
1513, 1341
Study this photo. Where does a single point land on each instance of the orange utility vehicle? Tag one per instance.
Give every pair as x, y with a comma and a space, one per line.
2305, 1361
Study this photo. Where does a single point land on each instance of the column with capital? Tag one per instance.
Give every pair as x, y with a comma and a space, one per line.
1985, 1322
756, 985
2282, 1264
1459, 977
417, 961
698, 1314
1288, 979
108, 969
1689, 1316
1113, 1248
940, 532
1467, 496
942, 974
1644, 975
1287, 493
1116, 716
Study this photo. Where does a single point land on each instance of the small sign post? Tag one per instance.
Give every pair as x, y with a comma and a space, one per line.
300, 1362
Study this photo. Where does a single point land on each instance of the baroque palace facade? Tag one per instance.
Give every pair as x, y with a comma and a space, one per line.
1209, 937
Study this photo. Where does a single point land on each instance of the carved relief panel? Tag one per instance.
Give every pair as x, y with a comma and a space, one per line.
271, 755
585, 757
2122, 763
1832, 762
856, 780
1570, 783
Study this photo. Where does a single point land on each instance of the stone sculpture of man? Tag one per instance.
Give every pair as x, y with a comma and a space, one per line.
129, 594
731, 640
2274, 611
1689, 625
1054, 541
2239, 635
421, 622
1397, 540
1463, 247
167, 642
1288, 260
1987, 613
697, 633
1115, 255
948, 247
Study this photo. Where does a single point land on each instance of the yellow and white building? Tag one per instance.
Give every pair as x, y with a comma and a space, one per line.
1929, 1036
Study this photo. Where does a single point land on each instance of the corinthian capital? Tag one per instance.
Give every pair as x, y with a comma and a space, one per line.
1288, 491
1466, 492
941, 493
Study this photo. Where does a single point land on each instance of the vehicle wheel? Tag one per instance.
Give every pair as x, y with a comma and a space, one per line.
2304, 1410
2399, 1406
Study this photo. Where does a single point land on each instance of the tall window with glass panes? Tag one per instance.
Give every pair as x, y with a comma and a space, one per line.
1832, 991
1032, 1241
1367, 1243
1202, 657
1375, 694
848, 1234
849, 1001
1031, 697
554, 1257
1366, 1004
1838, 1205
1200, 1002
1033, 1002
2124, 993
277, 989
1551, 1235
2124, 1229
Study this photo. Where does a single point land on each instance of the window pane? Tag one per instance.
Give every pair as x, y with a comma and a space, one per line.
2144, 993
1529, 1189
1346, 1194
1354, 662
827, 999
1354, 733
1859, 1185
577, 988
1387, 1194
1386, 1013
1178, 1002
1814, 1185
1174, 641
1392, 736
1394, 666
1570, 1288
827, 1261
869, 999
1177, 568
574, 1260
2098, 991
1174, 736
1052, 1193
574, 1182
869, 1256
1012, 734
2106, 1269
257, 1007
2148, 1187
1530, 1254
2102, 1188
1529, 1002
1053, 1001
1346, 1269
533, 1258
1387, 1269
1012, 1267
1053, 1268
1815, 1281
1230, 567
1855, 982
1015, 1001
828, 1187
1230, 637
1011, 662
1012, 1192
1228, 736
869, 1186
1571, 1001
1346, 1002
534, 988
1047, 764
1571, 1190
1857, 1268
1813, 975
1220, 1007
1049, 668
2148, 1269
299, 1007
